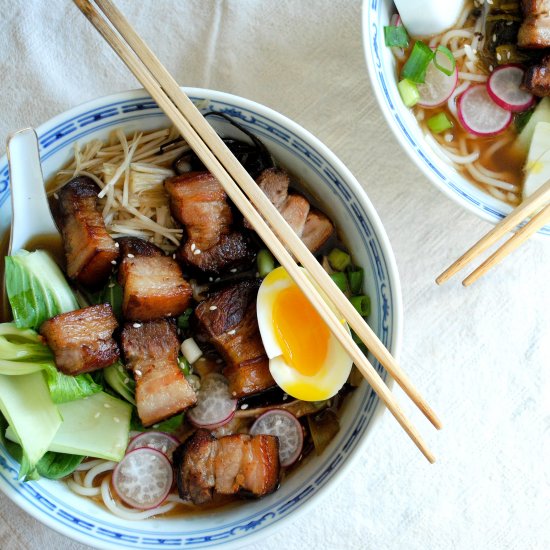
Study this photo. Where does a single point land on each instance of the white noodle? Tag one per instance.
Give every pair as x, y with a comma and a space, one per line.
129, 513
105, 466
447, 155
451, 102
490, 173
472, 77
85, 466
455, 33
496, 146
490, 181
81, 490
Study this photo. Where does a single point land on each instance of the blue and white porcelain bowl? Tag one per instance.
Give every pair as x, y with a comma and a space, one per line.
382, 70
328, 179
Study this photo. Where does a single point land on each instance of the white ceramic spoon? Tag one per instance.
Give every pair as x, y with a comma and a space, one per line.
32, 225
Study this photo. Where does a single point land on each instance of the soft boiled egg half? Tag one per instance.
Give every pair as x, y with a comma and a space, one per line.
305, 358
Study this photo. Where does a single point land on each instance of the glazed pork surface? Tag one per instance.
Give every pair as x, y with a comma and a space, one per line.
90, 251
535, 29
200, 204
537, 78
233, 464
151, 353
82, 340
227, 319
153, 283
310, 224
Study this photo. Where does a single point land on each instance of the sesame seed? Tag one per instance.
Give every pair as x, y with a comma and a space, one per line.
97, 415
116, 419
197, 251
113, 262
491, 68
138, 372
499, 57
106, 405
111, 285
232, 332
285, 397
130, 256
245, 406
173, 256
55, 196
126, 380
219, 361
117, 245
234, 270
136, 325
213, 308
211, 279
494, 37
217, 280
257, 273
193, 246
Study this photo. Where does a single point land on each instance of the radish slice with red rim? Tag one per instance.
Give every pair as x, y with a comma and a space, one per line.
504, 87
479, 114
160, 441
215, 406
287, 428
143, 478
438, 87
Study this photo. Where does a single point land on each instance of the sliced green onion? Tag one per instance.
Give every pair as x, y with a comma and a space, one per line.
355, 279
361, 304
449, 55
409, 93
417, 64
339, 259
439, 123
396, 36
265, 262
341, 280
183, 319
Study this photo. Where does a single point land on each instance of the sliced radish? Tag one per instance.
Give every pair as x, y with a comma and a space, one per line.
159, 441
479, 114
287, 428
437, 87
143, 478
504, 87
215, 406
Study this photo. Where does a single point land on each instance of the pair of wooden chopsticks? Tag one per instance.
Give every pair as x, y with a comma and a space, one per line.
276, 233
538, 201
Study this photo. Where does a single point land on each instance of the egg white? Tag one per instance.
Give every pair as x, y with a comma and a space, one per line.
336, 367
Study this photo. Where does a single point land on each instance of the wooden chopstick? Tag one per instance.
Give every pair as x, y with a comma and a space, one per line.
216, 157
263, 204
521, 235
537, 200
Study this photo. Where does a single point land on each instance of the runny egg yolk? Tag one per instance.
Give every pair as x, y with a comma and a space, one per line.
300, 331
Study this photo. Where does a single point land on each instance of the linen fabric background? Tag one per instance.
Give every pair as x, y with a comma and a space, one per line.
480, 355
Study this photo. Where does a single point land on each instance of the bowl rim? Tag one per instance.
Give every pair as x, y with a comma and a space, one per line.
393, 280
399, 132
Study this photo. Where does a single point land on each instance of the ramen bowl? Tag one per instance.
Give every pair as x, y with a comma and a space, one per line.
382, 70
339, 193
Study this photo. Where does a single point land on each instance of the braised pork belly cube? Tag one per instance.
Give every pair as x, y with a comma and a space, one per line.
151, 352
227, 320
82, 340
537, 78
90, 251
317, 230
200, 204
233, 251
153, 284
310, 224
233, 464
535, 29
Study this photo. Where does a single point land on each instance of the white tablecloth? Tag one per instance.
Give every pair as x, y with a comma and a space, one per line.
481, 355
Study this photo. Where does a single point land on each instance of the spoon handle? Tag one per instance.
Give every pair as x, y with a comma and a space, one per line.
31, 216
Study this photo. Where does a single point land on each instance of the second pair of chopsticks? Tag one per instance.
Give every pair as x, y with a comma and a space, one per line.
538, 203
202, 138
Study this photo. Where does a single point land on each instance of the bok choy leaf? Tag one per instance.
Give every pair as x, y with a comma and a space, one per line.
37, 289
